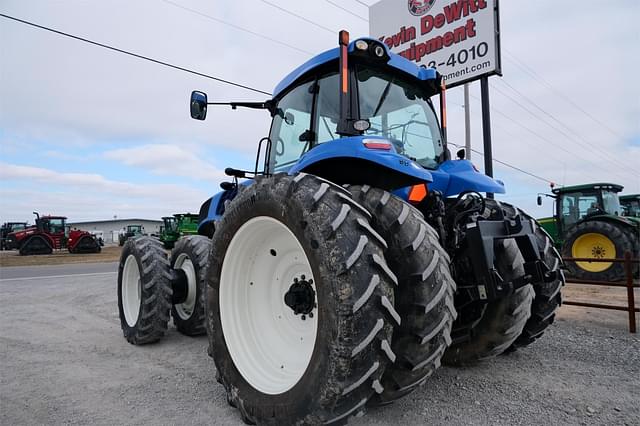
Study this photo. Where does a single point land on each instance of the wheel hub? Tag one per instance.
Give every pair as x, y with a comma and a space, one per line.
301, 297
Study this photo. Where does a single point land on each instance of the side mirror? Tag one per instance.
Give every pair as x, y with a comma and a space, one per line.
198, 105
539, 200
461, 154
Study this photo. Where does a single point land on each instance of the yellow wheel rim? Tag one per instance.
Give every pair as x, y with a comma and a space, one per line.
594, 246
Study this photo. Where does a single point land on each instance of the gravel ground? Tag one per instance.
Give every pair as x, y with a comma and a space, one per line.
64, 361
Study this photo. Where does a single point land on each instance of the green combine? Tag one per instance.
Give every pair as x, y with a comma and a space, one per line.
589, 222
176, 226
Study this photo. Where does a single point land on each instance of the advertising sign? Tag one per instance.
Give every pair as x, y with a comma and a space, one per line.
458, 38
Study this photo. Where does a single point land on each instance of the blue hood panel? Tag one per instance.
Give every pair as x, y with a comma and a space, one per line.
456, 176
353, 148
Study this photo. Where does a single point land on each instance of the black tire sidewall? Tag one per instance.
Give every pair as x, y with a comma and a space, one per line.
128, 250
194, 325
305, 393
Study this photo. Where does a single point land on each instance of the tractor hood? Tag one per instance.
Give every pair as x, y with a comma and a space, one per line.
456, 176
368, 160
19, 235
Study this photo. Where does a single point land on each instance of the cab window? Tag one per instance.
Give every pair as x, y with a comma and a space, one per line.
291, 127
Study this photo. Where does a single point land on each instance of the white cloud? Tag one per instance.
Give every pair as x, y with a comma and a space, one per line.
167, 160
87, 196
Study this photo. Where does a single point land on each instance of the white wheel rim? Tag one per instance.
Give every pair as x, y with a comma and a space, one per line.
270, 346
185, 309
131, 290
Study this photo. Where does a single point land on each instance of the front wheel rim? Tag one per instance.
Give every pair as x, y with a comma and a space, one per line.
270, 345
595, 246
186, 308
131, 291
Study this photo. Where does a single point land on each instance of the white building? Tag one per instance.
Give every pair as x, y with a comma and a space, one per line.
112, 227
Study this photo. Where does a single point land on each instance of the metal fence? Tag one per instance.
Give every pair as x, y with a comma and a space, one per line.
628, 283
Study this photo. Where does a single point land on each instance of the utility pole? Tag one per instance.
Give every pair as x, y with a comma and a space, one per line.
486, 128
467, 122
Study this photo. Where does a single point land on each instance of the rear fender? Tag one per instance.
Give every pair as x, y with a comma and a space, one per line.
212, 210
349, 161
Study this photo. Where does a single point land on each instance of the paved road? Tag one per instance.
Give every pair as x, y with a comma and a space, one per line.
63, 360
14, 273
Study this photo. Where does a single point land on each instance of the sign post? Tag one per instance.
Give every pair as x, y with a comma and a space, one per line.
460, 38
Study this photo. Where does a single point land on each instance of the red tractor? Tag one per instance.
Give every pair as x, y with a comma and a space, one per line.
49, 233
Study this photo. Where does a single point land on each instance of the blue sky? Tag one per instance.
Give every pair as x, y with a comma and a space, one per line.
91, 134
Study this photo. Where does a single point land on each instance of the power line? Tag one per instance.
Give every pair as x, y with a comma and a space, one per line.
135, 55
237, 27
347, 10
539, 136
580, 142
362, 3
520, 64
309, 21
504, 163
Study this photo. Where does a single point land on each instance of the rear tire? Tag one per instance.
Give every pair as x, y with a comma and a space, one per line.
548, 296
275, 231
611, 241
424, 297
191, 254
144, 290
486, 329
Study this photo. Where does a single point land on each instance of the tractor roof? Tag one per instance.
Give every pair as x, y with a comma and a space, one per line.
395, 61
587, 187
52, 217
630, 197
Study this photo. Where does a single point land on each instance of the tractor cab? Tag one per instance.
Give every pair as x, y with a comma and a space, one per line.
55, 225
577, 203
170, 224
631, 205
387, 110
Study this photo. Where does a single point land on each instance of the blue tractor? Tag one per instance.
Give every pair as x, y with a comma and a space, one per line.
356, 256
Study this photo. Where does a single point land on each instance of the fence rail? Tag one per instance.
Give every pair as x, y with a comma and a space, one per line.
628, 284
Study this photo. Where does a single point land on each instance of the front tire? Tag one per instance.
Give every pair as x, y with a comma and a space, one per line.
300, 303
191, 255
424, 297
144, 291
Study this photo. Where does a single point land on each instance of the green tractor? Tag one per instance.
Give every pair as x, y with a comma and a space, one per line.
589, 223
631, 205
131, 231
176, 226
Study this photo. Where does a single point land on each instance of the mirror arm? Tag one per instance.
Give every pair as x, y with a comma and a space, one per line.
268, 105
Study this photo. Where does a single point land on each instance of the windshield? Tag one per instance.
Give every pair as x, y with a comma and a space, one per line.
402, 113
170, 223
611, 202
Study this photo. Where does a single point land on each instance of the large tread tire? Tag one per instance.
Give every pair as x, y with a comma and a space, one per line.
425, 293
155, 290
487, 329
548, 296
189, 320
35, 245
624, 238
354, 302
